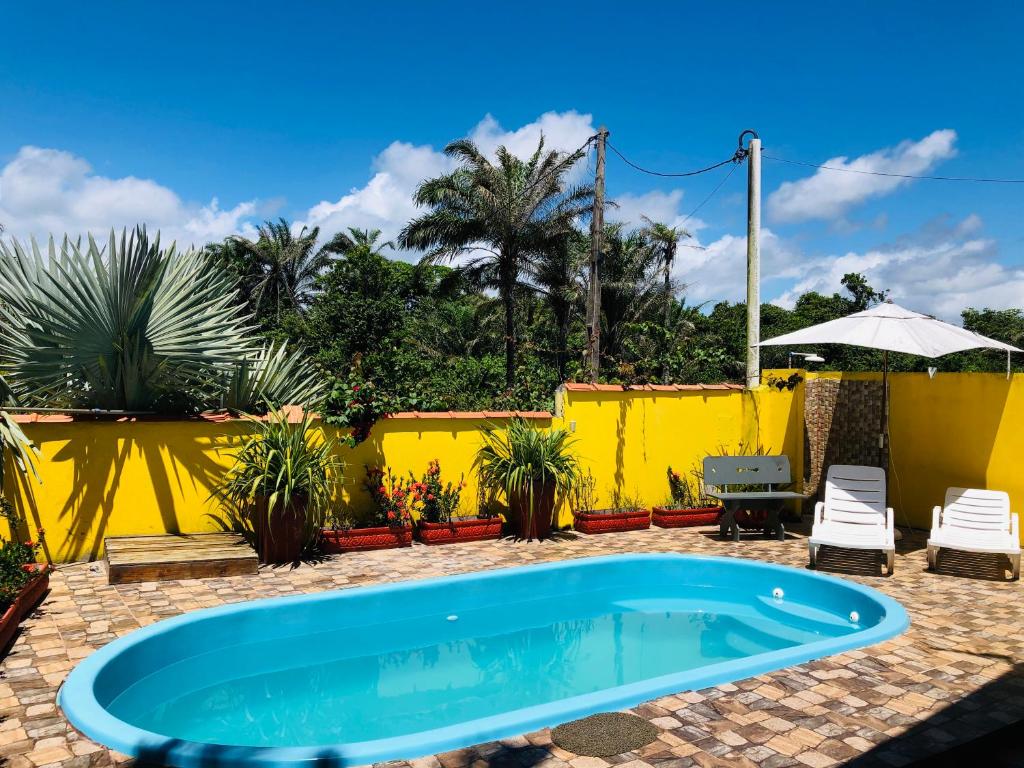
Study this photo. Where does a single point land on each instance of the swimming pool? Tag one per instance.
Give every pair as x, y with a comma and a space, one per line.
412, 668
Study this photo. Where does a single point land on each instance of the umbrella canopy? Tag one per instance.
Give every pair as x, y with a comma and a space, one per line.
892, 328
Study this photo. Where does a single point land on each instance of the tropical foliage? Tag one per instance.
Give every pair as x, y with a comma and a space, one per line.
483, 308
500, 216
522, 460
133, 326
289, 466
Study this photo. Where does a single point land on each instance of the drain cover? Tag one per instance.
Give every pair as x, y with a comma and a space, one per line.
609, 733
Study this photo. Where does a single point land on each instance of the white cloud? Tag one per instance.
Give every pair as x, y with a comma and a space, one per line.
829, 194
719, 271
385, 202
939, 270
50, 191
655, 205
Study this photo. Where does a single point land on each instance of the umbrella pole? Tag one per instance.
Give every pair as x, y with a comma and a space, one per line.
883, 428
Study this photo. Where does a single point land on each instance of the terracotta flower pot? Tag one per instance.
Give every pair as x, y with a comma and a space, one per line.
667, 517
27, 599
365, 539
539, 527
599, 521
280, 535
471, 529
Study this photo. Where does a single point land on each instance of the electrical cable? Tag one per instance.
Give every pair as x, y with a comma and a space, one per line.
739, 155
979, 180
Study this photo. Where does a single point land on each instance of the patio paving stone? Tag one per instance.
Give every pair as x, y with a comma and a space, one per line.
956, 674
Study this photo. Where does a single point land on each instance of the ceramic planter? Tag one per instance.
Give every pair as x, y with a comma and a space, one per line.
667, 517
365, 539
27, 599
281, 534
600, 521
471, 529
537, 525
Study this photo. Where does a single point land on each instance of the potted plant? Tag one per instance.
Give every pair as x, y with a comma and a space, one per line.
281, 484
23, 581
625, 514
390, 522
438, 522
689, 504
529, 466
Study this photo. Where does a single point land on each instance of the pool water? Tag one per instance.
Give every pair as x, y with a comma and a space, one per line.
407, 669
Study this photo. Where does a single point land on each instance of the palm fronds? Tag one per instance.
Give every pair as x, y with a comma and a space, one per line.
114, 327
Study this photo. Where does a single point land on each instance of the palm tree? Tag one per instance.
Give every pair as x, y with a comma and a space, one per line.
628, 286
359, 241
278, 269
664, 239
557, 275
499, 215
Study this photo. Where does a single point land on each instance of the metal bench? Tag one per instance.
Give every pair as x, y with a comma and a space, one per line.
766, 473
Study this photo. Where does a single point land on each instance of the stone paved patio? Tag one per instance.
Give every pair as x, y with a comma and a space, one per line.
956, 674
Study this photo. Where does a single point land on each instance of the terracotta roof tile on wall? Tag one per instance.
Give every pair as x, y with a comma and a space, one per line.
470, 415
573, 386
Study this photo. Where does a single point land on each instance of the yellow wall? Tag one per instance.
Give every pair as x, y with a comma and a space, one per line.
129, 478
629, 439
121, 478
954, 430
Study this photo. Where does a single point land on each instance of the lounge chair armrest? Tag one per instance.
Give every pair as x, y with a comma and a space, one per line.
889, 519
819, 511
1015, 526
936, 513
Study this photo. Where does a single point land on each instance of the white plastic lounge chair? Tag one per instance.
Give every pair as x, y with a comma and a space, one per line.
974, 520
853, 514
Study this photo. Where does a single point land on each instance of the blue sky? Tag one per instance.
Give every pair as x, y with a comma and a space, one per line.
203, 118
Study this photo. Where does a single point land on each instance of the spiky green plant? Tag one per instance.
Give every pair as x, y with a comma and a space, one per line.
274, 374
24, 452
522, 460
120, 327
290, 465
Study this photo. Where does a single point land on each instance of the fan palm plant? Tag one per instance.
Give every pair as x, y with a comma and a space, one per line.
499, 215
127, 326
276, 375
529, 465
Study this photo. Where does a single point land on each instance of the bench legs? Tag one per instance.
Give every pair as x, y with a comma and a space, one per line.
933, 557
1015, 566
890, 561
812, 554
728, 527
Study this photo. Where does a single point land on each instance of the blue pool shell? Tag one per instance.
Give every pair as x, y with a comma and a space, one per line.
101, 676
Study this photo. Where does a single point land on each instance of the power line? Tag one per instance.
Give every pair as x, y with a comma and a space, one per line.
711, 194
737, 157
893, 175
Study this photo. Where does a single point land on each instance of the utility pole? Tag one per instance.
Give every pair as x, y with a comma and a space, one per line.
753, 258
596, 232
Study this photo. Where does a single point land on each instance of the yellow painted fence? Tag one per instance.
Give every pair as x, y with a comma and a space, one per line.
109, 478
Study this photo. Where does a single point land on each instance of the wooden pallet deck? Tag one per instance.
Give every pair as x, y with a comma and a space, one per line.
187, 556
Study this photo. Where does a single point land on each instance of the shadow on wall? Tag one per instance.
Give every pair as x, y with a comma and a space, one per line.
943, 432
985, 725
122, 477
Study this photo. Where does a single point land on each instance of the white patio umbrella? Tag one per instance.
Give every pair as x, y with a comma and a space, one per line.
891, 328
